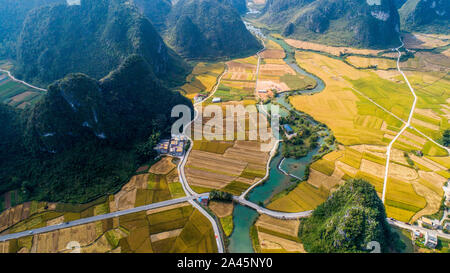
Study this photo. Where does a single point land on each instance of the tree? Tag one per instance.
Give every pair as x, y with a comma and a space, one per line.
446, 138
146, 151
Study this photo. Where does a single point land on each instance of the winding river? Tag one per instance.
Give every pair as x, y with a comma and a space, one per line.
278, 180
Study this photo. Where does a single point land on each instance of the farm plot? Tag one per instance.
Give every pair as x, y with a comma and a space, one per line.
159, 184
16, 94
372, 63
352, 118
202, 79
178, 228
234, 170
238, 83
333, 50
424, 41
275, 235
276, 76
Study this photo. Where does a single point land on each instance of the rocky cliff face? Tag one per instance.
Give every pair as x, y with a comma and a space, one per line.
360, 23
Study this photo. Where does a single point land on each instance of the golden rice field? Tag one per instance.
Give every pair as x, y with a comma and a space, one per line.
202, 79
178, 228
367, 62
333, 50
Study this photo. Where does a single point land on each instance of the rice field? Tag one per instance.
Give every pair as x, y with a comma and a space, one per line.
202, 79
179, 228
372, 63
278, 236
303, 198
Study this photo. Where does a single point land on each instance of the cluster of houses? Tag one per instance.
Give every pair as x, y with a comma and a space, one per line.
174, 146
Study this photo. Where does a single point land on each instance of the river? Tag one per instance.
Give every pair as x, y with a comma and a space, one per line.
243, 217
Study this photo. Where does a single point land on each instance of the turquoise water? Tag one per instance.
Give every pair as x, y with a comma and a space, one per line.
243, 217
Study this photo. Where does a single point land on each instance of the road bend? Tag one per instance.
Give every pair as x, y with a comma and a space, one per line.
22, 82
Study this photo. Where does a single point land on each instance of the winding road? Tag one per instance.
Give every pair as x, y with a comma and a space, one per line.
22, 82
407, 125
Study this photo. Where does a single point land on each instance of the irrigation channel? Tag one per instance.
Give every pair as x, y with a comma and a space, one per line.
282, 170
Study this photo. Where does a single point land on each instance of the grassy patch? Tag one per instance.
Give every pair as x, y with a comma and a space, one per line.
227, 224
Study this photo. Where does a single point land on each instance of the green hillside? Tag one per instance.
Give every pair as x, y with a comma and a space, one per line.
91, 38
426, 16
351, 218
85, 137
208, 29
12, 15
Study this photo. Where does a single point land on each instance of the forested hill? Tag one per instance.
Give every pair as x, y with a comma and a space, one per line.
91, 38
86, 137
351, 218
12, 15
426, 16
358, 23
155, 10
206, 29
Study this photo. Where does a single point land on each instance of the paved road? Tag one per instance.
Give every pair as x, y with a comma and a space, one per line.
22, 82
220, 248
414, 227
408, 123
276, 214
100, 217
182, 176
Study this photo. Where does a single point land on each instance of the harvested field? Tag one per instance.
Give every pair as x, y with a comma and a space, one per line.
288, 227
164, 166
273, 54
423, 41
221, 209
319, 180
269, 243
225, 171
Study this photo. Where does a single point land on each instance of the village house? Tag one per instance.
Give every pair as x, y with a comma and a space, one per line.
436, 224
431, 240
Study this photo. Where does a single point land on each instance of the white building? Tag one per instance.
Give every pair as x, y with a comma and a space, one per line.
431, 240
